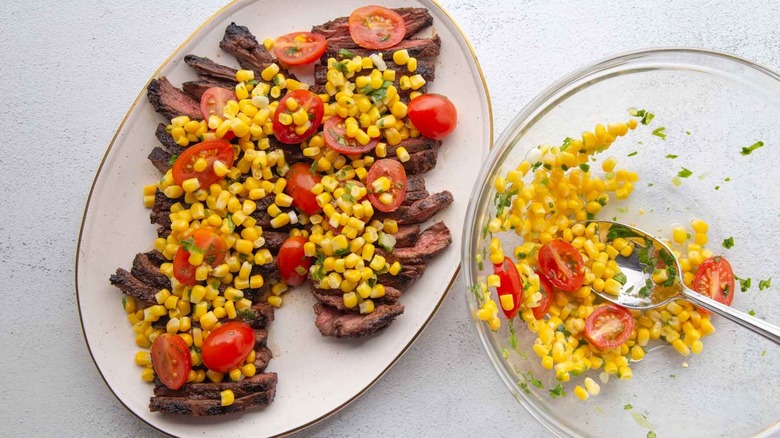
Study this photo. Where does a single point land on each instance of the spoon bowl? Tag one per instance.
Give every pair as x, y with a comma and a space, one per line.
650, 278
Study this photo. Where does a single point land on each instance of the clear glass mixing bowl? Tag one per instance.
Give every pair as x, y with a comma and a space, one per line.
711, 105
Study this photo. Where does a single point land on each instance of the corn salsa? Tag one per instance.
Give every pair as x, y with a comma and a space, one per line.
544, 201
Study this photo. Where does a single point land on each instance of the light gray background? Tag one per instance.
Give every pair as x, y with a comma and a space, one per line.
70, 70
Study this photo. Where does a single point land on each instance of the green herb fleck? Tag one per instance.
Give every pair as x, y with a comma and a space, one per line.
660, 132
763, 353
651, 434
562, 328
172, 160
557, 392
512, 335
728, 243
744, 283
505, 353
650, 184
646, 116
344, 53
671, 156
684, 173
628, 407
676, 181
717, 187
748, 150
620, 278
566, 143
503, 200
765, 284
632, 154
585, 167
752, 313
189, 245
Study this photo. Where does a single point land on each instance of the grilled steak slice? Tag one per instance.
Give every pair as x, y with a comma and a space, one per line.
170, 101
200, 408
406, 235
432, 241
332, 322
421, 210
274, 239
417, 48
427, 69
210, 391
161, 211
415, 183
208, 69
412, 197
414, 145
263, 355
148, 271
261, 338
160, 159
258, 316
239, 42
134, 287
408, 275
167, 141
415, 19
419, 162
197, 88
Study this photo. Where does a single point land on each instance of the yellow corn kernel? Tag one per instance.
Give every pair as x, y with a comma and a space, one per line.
411, 65
699, 226
625, 373
143, 358
269, 72
401, 57
226, 397
581, 393
681, 348
402, 154
416, 82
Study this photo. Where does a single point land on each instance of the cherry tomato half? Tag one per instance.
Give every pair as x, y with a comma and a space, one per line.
546, 289
299, 48
311, 104
227, 346
203, 240
395, 172
562, 264
433, 115
511, 287
211, 151
171, 360
715, 279
336, 137
375, 27
609, 326
292, 261
300, 180
214, 100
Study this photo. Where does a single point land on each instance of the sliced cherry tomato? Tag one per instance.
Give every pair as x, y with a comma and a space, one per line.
300, 180
546, 289
211, 151
336, 138
395, 172
562, 264
171, 360
375, 27
311, 104
292, 261
202, 240
214, 100
227, 346
715, 279
511, 287
433, 115
299, 48
609, 326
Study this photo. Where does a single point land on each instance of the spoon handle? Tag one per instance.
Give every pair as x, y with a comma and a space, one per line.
763, 328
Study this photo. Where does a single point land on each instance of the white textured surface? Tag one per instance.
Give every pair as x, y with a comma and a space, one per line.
71, 70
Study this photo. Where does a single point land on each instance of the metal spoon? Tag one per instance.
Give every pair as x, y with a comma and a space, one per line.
640, 292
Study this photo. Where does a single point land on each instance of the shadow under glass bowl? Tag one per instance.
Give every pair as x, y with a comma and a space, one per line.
711, 106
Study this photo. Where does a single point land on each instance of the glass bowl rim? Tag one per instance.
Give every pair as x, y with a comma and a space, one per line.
539, 104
